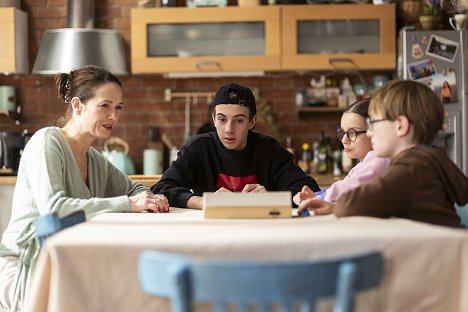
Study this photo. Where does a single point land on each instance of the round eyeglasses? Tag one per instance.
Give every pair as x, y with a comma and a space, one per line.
351, 134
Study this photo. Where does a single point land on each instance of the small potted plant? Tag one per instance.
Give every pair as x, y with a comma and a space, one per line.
430, 17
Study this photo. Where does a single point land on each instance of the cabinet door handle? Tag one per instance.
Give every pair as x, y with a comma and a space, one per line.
204, 64
340, 60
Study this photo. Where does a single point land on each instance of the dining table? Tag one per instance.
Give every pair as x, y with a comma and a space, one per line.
93, 266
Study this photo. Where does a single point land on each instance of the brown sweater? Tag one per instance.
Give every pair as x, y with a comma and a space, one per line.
421, 184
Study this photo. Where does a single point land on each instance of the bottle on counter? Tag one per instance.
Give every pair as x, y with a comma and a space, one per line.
347, 91
304, 162
315, 148
337, 158
322, 165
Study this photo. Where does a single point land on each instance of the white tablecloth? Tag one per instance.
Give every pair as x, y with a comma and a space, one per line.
93, 266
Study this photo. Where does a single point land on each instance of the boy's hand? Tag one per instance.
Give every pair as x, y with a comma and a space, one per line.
316, 206
223, 190
254, 188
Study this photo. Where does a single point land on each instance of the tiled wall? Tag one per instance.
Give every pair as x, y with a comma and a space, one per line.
143, 94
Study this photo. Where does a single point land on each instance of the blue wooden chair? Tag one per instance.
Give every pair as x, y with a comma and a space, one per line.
50, 224
463, 213
288, 285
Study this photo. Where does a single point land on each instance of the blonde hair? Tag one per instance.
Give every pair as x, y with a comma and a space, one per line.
415, 101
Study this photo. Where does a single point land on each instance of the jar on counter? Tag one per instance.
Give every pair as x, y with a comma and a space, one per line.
301, 98
378, 81
361, 91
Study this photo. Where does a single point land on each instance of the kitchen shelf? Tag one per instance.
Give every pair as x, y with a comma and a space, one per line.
320, 109
146, 180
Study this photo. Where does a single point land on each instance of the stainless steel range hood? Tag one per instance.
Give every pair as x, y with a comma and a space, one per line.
65, 49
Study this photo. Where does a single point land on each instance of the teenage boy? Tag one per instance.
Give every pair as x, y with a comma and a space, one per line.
232, 159
421, 183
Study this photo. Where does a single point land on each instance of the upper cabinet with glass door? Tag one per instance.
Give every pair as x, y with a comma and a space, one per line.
205, 39
339, 36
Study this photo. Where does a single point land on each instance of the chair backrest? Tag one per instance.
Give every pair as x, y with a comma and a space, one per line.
184, 280
462, 212
50, 224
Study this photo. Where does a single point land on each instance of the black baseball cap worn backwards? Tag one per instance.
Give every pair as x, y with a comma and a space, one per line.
245, 96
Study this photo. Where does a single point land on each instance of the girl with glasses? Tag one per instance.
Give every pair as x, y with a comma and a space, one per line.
421, 183
357, 145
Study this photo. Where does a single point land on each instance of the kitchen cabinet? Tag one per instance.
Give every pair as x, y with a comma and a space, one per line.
13, 41
205, 39
7, 188
263, 38
339, 36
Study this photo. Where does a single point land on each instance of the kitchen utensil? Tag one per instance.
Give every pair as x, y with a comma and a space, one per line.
153, 155
152, 161
119, 157
7, 98
172, 148
458, 21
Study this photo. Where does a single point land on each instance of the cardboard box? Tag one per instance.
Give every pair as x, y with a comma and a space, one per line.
247, 205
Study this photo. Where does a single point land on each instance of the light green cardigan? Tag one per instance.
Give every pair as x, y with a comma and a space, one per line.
48, 181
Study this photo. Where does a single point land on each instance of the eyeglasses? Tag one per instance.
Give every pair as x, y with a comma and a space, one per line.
351, 134
371, 122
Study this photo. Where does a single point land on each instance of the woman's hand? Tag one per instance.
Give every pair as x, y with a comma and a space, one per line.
305, 193
147, 201
317, 206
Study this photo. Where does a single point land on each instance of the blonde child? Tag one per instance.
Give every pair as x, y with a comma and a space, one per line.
421, 183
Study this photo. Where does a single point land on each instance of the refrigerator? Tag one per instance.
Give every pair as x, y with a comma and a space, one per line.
439, 58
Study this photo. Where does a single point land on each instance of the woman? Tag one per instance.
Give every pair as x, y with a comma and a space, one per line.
357, 146
60, 172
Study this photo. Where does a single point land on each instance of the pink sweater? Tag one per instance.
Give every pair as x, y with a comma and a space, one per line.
364, 172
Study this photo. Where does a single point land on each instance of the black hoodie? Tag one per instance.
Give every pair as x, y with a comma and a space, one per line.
204, 165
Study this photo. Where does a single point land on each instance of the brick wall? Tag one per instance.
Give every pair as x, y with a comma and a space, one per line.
143, 94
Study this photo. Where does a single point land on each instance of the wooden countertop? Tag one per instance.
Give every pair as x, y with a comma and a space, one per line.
7, 180
148, 181
327, 179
